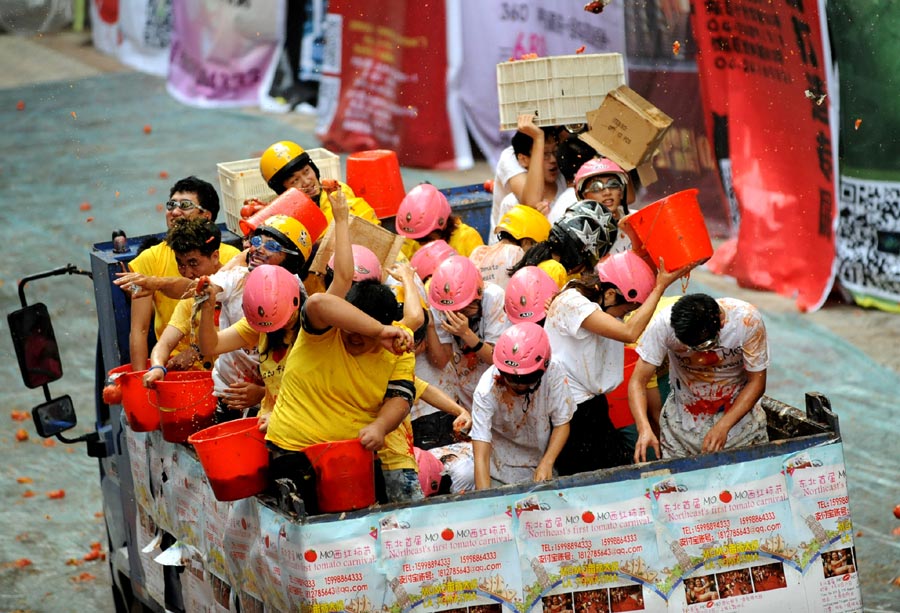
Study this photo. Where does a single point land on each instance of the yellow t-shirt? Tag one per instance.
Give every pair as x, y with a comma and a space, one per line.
183, 319
329, 395
271, 363
357, 206
159, 261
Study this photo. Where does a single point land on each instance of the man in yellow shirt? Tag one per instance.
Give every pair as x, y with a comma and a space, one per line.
196, 246
189, 198
350, 375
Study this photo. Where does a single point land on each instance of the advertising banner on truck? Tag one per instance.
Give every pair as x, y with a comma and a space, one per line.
772, 533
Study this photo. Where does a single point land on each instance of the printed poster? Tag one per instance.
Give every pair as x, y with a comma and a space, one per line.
722, 532
332, 566
451, 557
591, 549
817, 485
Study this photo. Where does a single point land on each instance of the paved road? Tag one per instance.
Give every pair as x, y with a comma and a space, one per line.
52, 162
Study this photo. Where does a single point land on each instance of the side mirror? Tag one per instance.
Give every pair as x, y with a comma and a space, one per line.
54, 416
35, 344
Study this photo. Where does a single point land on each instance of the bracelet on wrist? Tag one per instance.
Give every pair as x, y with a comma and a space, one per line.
161, 367
474, 348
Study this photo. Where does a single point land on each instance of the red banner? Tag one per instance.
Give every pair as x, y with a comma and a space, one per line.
391, 88
764, 74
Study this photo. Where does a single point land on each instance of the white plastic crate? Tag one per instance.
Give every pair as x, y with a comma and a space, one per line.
241, 179
559, 90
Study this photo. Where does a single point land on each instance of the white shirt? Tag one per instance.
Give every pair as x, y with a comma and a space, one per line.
594, 364
495, 260
714, 377
507, 167
241, 364
519, 427
493, 322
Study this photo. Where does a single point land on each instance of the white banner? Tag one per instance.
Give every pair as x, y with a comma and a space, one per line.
494, 31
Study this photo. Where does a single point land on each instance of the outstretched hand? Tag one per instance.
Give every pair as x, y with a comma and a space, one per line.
139, 285
664, 278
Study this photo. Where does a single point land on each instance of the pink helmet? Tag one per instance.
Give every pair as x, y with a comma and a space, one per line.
628, 272
422, 211
365, 264
427, 258
271, 295
598, 166
522, 349
527, 293
455, 284
430, 469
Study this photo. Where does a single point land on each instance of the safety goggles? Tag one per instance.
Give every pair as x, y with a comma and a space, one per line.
529, 380
706, 345
270, 245
184, 205
596, 185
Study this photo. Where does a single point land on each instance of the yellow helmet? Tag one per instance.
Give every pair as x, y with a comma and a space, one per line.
522, 221
280, 161
290, 231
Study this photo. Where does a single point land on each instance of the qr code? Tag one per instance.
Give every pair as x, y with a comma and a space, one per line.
867, 249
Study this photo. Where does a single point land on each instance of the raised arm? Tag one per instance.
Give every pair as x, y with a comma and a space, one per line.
328, 311
343, 251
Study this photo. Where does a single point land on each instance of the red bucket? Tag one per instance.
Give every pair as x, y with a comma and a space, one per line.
375, 177
345, 475
292, 203
140, 412
234, 458
186, 404
673, 229
619, 411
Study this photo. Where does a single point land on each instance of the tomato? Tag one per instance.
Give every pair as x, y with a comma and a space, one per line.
247, 211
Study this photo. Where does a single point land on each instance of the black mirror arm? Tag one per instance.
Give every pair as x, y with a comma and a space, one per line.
68, 269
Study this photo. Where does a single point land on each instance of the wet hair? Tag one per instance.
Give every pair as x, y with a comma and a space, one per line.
207, 196
521, 142
696, 319
198, 233
375, 299
571, 154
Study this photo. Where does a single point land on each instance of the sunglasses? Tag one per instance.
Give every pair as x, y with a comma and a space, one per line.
598, 186
270, 245
184, 205
706, 345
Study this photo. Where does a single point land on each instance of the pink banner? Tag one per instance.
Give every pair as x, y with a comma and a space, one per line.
222, 52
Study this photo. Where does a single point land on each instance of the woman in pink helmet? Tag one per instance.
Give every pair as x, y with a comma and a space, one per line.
468, 320
424, 215
521, 411
586, 328
427, 258
527, 294
603, 180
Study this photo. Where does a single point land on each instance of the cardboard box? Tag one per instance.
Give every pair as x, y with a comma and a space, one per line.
627, 129
383, 243
558, 90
